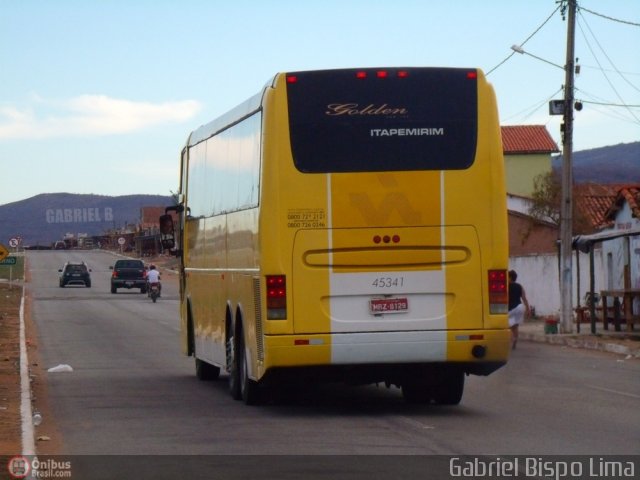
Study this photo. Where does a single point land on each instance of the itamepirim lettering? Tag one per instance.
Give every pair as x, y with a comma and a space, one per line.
79, 215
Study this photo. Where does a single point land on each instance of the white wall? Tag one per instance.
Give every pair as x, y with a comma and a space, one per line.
624, 251
538, 274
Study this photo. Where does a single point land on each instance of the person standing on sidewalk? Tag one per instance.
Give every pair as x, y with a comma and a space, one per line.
518, 306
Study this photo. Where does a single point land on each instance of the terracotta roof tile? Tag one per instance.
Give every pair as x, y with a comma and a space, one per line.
599, 203
629, 194
527, 139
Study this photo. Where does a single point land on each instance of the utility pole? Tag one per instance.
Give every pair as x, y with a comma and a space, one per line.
566, 213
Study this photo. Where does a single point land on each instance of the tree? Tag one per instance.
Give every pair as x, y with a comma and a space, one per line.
547, 195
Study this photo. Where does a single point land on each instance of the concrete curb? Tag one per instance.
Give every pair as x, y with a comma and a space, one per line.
587, 343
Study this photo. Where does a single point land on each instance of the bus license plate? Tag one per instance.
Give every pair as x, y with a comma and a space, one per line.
388, 305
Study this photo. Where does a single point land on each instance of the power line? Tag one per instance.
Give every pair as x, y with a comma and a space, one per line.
533, 108
605, 54
528, 38
611, 104
607, 109
582, 65
609, 18
612, 64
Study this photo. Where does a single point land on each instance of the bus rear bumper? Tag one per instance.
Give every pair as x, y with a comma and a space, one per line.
477, 352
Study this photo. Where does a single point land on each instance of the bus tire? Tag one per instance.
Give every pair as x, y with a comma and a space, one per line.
450, 391
232, 367
205, 371
249, 389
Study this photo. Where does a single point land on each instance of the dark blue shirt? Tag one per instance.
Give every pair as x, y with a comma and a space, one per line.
515, 293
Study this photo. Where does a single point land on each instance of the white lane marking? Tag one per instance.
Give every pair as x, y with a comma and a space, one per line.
617, 392
28, 442
415, 423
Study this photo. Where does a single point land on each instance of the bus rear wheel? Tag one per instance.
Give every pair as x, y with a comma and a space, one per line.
232, 368
241, 386
449, 392
249, 389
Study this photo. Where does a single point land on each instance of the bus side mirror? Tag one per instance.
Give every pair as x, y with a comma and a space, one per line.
167, 232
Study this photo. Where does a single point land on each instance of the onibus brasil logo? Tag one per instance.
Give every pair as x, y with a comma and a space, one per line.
21, 467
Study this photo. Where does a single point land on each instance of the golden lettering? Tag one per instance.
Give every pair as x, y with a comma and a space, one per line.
336, 109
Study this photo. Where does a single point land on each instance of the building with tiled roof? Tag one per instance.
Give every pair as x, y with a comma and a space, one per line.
592, 202
628, 197
622, 254
527, 139
527, 154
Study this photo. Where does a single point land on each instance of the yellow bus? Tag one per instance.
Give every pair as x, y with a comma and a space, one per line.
347, 225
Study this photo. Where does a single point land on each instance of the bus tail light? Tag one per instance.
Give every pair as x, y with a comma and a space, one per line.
276, 297
498, 292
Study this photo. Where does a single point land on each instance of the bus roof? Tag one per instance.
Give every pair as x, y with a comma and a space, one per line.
233, 116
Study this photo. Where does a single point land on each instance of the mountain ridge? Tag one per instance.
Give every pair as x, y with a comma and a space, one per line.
47, 217
605, 165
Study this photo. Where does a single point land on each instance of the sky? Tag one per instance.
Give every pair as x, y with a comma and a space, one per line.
99, 96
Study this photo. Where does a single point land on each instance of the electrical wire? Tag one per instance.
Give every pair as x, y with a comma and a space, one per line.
534, 108
610, 61
609, 18
605, 54
609, 109
528, 38
611, 104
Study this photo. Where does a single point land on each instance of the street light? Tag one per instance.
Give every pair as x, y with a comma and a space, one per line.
520, 50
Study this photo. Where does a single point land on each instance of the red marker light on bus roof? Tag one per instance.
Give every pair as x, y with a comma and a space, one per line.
361, 74
403, 74
472, 75
382, 74
292, 79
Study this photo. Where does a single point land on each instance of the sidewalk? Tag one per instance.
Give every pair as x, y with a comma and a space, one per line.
621, 343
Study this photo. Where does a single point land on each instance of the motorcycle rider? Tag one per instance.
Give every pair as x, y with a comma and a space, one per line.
153, 276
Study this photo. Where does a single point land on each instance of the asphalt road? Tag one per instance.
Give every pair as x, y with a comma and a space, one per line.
133, 393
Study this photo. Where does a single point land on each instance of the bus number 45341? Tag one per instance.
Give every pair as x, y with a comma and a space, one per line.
388, 282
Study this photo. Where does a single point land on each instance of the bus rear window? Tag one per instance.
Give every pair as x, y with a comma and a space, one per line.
375, 120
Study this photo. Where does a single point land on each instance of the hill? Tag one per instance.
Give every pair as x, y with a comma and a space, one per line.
45, 218
613, 164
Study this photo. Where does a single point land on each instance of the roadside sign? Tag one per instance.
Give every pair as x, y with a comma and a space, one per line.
556, 107
8, 261
14, 242
121, 241
4, 252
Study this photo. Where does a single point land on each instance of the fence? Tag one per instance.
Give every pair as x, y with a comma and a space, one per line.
539, 275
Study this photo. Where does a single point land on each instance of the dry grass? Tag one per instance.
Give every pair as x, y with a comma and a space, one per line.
10, 369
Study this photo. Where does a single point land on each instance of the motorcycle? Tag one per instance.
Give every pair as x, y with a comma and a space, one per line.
154, 291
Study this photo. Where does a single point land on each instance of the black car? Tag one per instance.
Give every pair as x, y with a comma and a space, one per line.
129, 274
75, 274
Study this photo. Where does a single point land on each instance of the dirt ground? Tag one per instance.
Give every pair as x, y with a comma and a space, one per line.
10, 429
